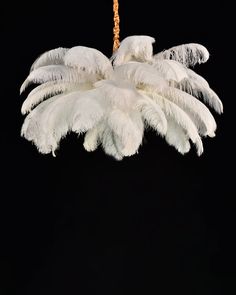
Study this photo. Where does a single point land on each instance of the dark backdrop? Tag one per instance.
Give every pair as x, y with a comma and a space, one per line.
83, 223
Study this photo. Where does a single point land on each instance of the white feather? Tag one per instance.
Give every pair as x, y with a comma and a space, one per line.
134, 48
53, 119
127, 135
108, 144
51, 57
176, 136
140, 74
198, 112
152, 114
199, 87
112, 106
118, 93
49, 89
171, 70
179, 116
53, 73
87, 111
90, 60
31, 128
91, 139
187, 54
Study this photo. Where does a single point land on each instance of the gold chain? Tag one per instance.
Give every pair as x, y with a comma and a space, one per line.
116, 29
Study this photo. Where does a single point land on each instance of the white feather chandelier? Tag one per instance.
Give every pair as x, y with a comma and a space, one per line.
114, 100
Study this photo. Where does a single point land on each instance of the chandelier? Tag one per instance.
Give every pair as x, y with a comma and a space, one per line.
113, 101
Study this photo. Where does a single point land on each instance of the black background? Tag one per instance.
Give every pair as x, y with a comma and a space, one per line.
83, 223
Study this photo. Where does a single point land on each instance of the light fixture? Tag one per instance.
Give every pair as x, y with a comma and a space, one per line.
114, 101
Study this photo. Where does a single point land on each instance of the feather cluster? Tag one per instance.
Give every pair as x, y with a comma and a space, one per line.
112, 101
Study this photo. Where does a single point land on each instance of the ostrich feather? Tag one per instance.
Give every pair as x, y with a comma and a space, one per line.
134, 48
198, 112
90, 60
152, 115
140, 74
118, 93
127, 136
53, 73
49, 89
113, 101
189, 81
171, 70
177, 137
200, 88
108, 143
187, 54
179, 116
54, 118
91, 139
51, 57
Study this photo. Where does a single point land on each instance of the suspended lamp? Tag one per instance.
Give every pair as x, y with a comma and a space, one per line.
112, 101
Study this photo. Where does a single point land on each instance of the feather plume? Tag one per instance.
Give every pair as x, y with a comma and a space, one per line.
118, 93
177, 137
187, 54
90, 60
53, 73
179, 116
198, 87
134, 48
54, 118
46, 90
140, 74
108, 143
198, 112
51, 57
91, 139
81, 91
127, 136
152, 115
171, 70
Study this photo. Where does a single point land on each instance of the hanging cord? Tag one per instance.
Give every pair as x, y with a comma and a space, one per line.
116, 29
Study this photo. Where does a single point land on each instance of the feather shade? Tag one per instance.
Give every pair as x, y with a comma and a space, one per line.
113, 101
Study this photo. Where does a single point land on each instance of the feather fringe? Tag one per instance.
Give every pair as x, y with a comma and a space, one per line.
53, 73
50, 121
140, 74
179, 116
134, 48
152, 115
187, 54
51, 57
89, 60
176, 137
